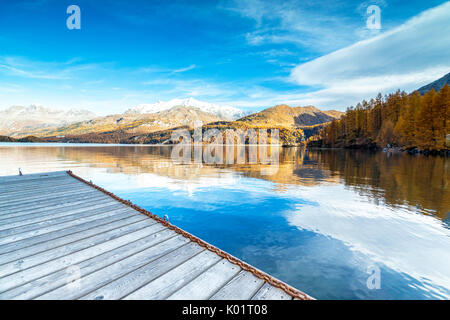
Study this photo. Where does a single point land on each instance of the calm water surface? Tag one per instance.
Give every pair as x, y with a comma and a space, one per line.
322, 222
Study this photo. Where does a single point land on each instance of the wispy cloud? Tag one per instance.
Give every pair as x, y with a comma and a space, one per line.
11, 67
192, 66
406, 57
263, 64
32, 69
168, 88
162, 70
308, 23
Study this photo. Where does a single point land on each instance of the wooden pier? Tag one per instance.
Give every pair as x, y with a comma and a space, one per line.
64, 238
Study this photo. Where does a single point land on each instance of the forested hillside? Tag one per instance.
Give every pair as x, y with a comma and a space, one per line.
407, 121
286, 116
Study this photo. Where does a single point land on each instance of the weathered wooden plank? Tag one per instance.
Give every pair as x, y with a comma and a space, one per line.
60, 197
148, 247
28, 191
40, 217
26, 183
17, 230
269, 292
45, 197
17, 245
174, 279
24, 215
70, 238
133, 280
53, 204
59, 226
44, 190
32, 176
24, 276
29, 183
84, 243
242, 287
158, 256
6, 189
207, 283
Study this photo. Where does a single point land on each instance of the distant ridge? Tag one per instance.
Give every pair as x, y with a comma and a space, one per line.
152, 123
17, 119
136, 123
223, 112
436, 85
284, 115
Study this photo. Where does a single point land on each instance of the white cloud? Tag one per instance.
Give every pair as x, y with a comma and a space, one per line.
33, 69
190, 87
192, 66
397, 238
308, 23
406, 58
156, 69
16, 71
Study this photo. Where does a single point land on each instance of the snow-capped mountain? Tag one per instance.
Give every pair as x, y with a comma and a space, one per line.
224, 112
19, 118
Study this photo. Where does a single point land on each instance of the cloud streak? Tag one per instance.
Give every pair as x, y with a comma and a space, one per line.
406, 57
32, 69
309, 24
192, 66
388, 234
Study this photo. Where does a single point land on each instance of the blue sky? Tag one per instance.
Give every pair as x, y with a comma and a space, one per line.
249, 54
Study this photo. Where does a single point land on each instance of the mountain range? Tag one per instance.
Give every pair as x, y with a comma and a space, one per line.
294, 124
286, 116
224, 112
18, 119
436, 85
132, 123
145, 119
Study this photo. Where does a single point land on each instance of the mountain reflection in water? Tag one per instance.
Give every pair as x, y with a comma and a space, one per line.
319, 220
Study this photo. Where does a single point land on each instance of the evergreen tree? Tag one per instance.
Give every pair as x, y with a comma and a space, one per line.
400, 119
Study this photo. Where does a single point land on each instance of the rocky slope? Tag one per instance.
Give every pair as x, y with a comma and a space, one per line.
223, 112
284, 115
436, 85
138, 126
21, 121
133, 123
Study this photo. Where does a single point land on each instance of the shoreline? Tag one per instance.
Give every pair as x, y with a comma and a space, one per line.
94, 144
392, 150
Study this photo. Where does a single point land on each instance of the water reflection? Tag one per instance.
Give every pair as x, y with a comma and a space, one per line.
318, 221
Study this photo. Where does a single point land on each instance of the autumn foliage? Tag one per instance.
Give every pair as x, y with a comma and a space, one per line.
407, 121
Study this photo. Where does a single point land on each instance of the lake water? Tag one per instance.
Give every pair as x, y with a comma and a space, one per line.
330, 223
